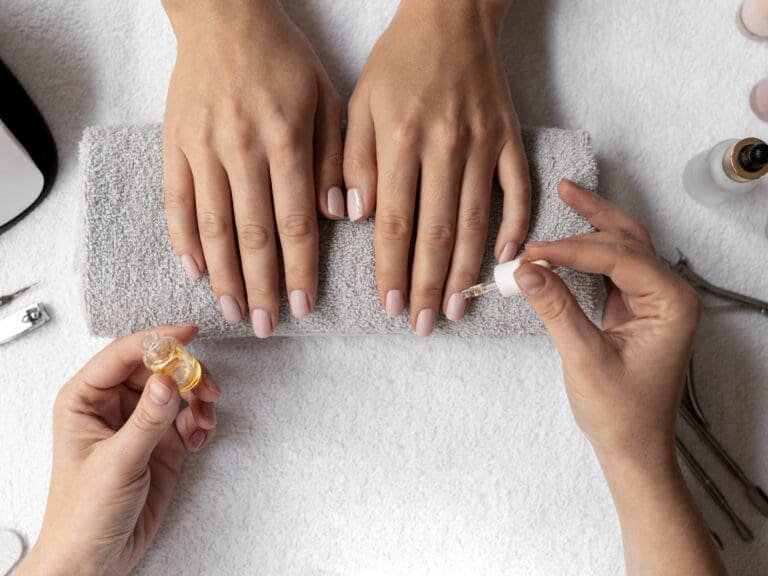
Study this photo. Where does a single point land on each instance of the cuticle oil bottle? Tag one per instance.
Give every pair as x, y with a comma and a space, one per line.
731, 168
165, 355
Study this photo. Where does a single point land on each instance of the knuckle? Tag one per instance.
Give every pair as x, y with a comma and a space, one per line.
405, 134
145, 421
438, 235
285, 136
393, 227
239, 136
212, 226
176, 198
447, 135
555, 310
474, 221
463, 278
333, 161
428, 293
253, 236
296, 227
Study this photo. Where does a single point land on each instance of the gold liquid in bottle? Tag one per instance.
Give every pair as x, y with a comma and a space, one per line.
164, 355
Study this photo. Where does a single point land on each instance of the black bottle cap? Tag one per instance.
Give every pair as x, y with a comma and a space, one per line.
754, 157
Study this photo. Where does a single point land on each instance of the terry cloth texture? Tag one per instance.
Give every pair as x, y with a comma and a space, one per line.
133, 280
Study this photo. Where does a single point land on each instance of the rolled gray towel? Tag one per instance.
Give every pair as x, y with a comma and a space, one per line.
133, 280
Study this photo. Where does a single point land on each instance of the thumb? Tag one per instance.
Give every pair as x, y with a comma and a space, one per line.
575, 335
153, 416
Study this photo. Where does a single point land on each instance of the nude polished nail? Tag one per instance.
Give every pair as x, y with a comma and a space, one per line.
425, 323
189, 266
395, 303
456, 308
230, 309
355, 204
509, 252
336, 202
299, 302
262, 324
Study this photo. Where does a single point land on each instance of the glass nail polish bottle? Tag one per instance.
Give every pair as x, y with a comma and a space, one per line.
164, 355
752, 19
731, 168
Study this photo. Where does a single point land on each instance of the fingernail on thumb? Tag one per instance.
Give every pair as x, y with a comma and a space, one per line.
159, 393
530, 280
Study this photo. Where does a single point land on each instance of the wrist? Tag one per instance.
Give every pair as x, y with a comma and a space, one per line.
44, 559
657, 466
488, 13
198, 17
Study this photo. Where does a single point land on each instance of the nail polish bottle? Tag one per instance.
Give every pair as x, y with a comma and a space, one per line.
758, 99
164, 355
731, 168
752, 19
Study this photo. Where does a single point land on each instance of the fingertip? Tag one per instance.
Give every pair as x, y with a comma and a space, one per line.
161, 390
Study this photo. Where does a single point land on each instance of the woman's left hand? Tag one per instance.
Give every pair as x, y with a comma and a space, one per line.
119, 441
432, 113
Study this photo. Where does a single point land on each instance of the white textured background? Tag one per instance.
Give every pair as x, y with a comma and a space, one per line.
395, 456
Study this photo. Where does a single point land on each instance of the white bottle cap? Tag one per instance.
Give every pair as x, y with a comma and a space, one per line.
504, 276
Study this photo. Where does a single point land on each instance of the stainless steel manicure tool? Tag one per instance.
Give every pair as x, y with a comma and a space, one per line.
8, 298
22, 322
755, 494
714, 492
683, 269
690, 398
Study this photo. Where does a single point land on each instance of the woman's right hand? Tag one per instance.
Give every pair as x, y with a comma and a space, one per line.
252, 138
624, 381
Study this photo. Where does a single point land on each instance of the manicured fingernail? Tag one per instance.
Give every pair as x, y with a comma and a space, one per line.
197, 439
190, 266
395, 303
425, 323
210, 383
261, 320
354, 204
299, 303
457, 306
208, 412
530, 280
159, 393
336, 202
509, 252
230, 309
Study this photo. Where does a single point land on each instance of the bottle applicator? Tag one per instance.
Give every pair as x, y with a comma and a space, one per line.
503, 280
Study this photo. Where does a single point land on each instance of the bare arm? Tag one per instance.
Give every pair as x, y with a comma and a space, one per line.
624, 379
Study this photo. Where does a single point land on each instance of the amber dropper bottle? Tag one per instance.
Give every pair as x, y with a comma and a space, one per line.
165, 355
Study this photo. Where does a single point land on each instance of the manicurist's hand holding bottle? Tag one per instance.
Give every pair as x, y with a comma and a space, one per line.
624, 380
119, 442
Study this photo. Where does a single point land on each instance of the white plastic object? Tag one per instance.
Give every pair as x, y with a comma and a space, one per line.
504, 276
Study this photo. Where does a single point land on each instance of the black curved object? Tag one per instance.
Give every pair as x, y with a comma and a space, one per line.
23, 119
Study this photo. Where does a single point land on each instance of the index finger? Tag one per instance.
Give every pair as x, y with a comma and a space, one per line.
633, 273
115, 363
601, 213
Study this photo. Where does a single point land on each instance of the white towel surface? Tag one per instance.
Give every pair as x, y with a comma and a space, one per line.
381, 456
